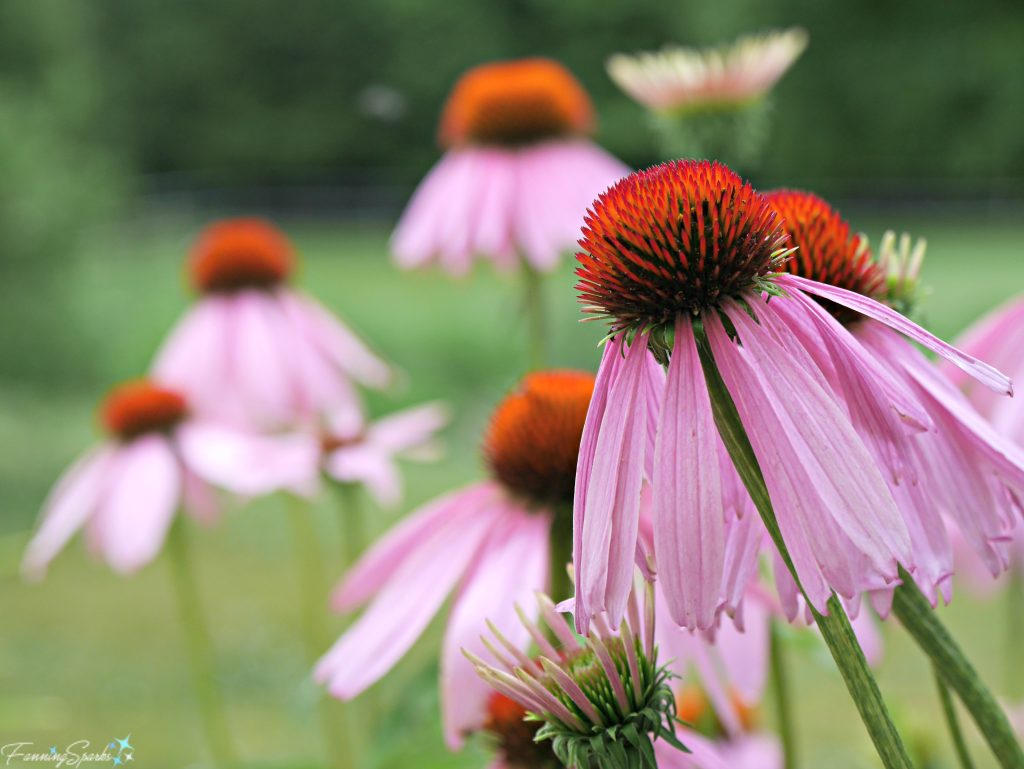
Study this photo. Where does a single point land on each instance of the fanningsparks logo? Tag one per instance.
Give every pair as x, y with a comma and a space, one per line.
77, 753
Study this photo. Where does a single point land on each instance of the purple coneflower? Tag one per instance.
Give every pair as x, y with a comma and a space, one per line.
686, 254
253, 350
157, 459
517, 176
489, 543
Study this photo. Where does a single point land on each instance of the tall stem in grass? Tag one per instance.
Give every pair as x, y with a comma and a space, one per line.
334, 716
915, 613
1015, 632
536, 315
198, 648
949, 709
835, 628
350, 522
783, 704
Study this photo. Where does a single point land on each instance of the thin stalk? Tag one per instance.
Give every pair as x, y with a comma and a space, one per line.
1015, 632
334, 716
350, 523
835, 628
780, 677
536, 315
561, 554
953, 722
198, 648
915, 614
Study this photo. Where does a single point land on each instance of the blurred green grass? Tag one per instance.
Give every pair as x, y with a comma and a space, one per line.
85, 655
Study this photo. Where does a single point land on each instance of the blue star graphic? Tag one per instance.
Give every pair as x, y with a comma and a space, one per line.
112, 745
116, 760
124, 744
53, 751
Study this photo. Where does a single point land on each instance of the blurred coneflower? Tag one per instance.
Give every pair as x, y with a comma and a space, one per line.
710, 102
517, 175
158, 459
489, 542
253, 350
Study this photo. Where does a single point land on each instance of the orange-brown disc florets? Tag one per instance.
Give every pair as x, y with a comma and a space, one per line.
673, 240
533, 440
515, 102
514, 736
240, 253
826, 251
138, 407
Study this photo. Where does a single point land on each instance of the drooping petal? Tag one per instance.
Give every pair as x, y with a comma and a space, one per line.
611, 362
511, 566
370, 466
262, 360
139, 503
689, 525
852, 489
67, 508
387, 555
745, 655
984, 373
409, 427
404, 606
613, 496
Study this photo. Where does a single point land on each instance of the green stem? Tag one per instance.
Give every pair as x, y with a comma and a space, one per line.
1015, 632
916, 615
561, 554
199, 648
334, 716
952, 722
536, 315
835, 628
780, 677
350, 522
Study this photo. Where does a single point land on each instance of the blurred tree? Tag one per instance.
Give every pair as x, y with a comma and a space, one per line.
910, 93
56, 178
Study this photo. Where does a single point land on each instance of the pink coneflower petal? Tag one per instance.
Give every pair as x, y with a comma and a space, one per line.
199, 499
403, 607
799, 519
689, 534
852, 488
67, 507
656, 379
367, 465
743, 538
510, 567
249, 464
263, 358
138, 504
383, 559
192, 358
607, 373
704, 754
340, 344
984, 373
409, 427
745, 655
613, 497
760, 750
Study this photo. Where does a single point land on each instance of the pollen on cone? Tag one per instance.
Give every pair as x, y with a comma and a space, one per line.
825, 249
533, 440
139, 406
515, 102
674, 240
240, 253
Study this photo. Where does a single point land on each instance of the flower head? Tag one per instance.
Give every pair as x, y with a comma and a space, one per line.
253, 351
678, 79
675, 239
140, 406
240, 253
157, 458
532, 443
825, 249
515, 102
490, 543
603, 702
